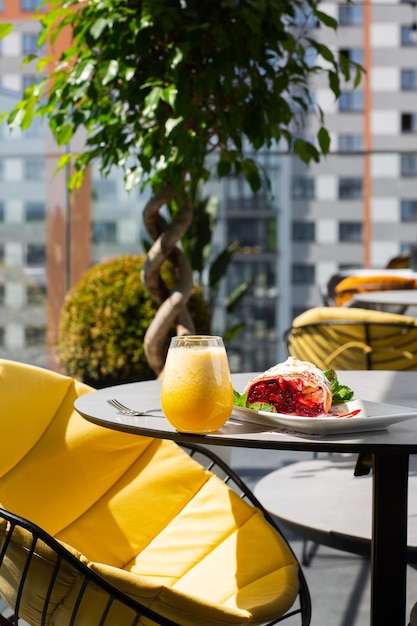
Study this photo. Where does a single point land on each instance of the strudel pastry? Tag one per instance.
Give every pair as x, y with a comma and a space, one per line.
292, 387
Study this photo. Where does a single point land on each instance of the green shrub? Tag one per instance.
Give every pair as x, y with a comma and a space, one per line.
105, 317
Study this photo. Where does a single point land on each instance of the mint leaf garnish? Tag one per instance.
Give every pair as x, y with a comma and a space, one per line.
241, 399
340, 393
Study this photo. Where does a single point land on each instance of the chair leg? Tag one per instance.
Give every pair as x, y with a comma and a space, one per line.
308, 553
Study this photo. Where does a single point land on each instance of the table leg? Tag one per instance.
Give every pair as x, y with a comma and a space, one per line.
389, 539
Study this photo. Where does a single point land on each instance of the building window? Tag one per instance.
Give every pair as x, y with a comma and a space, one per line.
350, 188
350, 143
104, 232
253, 234
35, 212
1, 170
35, 255
2, 294
409, 210
30, 43
350, 231
29, 5
355, 55
350, 14
303, 274
1, 252
408, 80
34, 169
303, 231
36, 294
409, 35
1, 211
35, 336
409, 122
1, 6
303, 188
105, 189
408, 165
1, 336
351, 101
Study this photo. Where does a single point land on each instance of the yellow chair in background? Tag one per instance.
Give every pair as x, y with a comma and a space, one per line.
351, 285
344, 338
126, 529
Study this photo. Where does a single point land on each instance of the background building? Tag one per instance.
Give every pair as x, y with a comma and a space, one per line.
358, 207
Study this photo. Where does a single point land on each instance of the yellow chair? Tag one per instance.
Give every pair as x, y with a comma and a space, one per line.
126, 529
354, 339
351, 285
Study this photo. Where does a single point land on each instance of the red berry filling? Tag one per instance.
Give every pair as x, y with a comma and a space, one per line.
288, 396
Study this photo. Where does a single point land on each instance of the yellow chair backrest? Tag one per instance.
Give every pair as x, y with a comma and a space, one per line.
349, 286
354, 339
138, 510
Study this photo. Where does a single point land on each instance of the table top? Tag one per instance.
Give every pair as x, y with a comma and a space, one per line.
363, 271
401, 297
324, 494
397, 388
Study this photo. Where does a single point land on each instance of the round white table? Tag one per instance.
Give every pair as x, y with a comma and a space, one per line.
389, 450
389, 297
322, 501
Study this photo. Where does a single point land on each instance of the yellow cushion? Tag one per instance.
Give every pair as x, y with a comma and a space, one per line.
139, 511
389, 341
346, 288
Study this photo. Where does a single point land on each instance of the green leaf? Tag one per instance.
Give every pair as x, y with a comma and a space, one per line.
237, 295
327, 20
334, 83
5, 29
340, 393
64, 134
220, 264
305, 150
239, 399
98, 27
251, 172
232, 332
223, 168
324, 140
64, 160
110, 71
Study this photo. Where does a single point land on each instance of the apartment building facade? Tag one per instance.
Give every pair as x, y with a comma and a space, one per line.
357, 207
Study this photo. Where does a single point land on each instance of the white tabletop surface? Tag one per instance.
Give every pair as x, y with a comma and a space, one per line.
400, 297
363, 271
397, 388
323, 494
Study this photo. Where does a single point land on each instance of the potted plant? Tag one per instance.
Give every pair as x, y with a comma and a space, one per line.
174, 92
105, 318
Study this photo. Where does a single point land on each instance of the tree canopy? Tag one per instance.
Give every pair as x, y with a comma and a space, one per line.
172, 92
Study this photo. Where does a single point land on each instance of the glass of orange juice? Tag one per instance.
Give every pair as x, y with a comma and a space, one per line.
197, 392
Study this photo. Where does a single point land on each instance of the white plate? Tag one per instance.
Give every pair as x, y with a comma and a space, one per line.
354, 416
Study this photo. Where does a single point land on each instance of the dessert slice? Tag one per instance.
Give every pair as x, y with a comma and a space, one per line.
292, 387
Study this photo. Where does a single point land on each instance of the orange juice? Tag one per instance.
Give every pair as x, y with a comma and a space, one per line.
197, 393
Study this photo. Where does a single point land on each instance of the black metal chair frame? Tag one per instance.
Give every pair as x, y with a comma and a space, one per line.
205, 457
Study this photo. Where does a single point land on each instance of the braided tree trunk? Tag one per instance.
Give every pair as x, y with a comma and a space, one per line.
173, 304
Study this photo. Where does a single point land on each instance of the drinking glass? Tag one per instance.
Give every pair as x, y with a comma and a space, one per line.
197, 392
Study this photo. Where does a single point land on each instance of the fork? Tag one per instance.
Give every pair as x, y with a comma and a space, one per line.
125, 410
